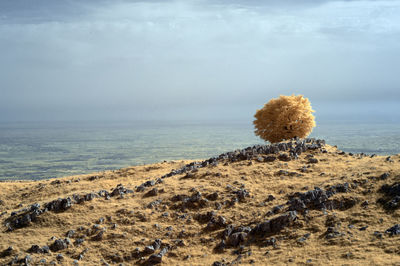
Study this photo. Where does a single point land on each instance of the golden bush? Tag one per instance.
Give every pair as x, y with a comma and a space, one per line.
284, 118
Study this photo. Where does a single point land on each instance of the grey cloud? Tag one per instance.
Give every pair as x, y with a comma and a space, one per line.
141, 58
21, 12
42, 11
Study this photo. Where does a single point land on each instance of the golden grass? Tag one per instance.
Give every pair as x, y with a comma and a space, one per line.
138, 225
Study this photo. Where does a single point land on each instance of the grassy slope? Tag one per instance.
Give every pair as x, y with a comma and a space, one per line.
138, 226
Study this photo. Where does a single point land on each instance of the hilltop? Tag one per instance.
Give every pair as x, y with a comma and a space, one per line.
295, 202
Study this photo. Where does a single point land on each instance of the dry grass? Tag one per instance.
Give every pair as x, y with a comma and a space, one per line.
138, 226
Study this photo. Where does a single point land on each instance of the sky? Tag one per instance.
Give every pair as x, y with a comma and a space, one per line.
200, 59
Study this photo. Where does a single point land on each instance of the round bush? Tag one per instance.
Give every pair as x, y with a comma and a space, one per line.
284, 118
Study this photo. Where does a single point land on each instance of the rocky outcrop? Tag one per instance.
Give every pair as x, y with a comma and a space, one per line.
26, 216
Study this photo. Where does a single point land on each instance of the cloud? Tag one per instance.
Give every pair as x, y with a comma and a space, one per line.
141, 55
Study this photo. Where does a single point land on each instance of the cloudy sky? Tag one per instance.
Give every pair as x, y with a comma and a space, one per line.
201, 59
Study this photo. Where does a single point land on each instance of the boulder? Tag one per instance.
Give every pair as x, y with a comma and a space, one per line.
58, 244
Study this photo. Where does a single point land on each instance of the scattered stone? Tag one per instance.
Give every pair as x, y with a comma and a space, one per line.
58, 244
348, 255
55, 182
274, 225
389, 159
284, 157
149, 183
79, 241
60, 257
331, 232
269, 158
216, 222
179, 243
23, 219
294, 147
236, 239
140, 188
312, 160
59, 205
153, 204
277, 209
24, 261
151, 193
340, 188
301, 240
37, 249
90, 196
157, 244
270, 198
70, 233
7, 252
241, 194
270, 242
46, 249
116, 258
220, 246
204, 217
148, 250
318, 199
391, 199
157, 258
96, 227
99, 236
195, 201
384, 176
120, 190
92, 178
378, 234
282, 172
213, 196
394, 230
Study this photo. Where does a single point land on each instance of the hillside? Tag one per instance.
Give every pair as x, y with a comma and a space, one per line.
297, 202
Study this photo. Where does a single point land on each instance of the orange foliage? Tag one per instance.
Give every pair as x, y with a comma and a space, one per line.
284, 118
